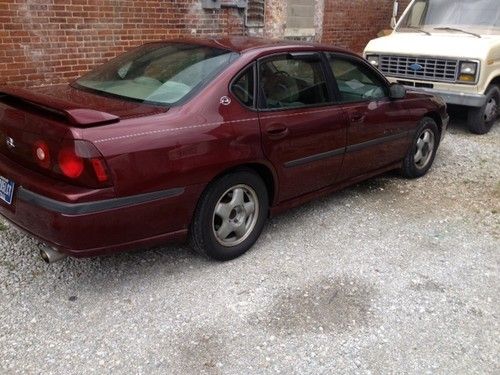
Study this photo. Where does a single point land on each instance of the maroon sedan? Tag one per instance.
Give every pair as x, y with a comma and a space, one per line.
201, 139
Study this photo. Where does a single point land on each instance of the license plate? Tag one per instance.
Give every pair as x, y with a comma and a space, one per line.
6, 190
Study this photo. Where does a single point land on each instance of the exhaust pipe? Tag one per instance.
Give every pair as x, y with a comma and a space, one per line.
50, 255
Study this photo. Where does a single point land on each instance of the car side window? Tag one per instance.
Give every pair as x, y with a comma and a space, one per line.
243, 87
287, 82
355, 81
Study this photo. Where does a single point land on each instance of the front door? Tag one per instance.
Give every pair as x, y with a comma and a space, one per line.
378, 133
303, 132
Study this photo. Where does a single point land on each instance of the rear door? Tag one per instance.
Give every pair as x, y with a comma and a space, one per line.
303, 131
378, 132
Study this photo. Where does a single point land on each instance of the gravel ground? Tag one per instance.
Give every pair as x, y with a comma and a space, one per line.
390, 276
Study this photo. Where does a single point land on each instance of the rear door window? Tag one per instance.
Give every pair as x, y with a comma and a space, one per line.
288, 82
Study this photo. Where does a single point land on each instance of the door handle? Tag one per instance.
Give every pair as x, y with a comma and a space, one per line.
277, 132
357, 117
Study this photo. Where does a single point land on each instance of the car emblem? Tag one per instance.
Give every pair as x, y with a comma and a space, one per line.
416, 67
10, 142
225, 100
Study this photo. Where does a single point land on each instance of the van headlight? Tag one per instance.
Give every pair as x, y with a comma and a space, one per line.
373, 59
468, 71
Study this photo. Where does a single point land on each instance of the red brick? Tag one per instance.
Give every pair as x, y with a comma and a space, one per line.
44, 43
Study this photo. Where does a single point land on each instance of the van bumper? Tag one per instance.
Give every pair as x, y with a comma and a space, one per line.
454, 98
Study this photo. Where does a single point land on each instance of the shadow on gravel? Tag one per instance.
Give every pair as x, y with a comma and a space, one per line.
331, 305
458, 120
104, 273
136, 265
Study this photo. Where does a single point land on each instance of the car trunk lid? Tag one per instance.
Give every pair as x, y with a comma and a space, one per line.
41, 130
75, 107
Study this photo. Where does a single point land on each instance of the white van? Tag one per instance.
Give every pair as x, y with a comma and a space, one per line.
449, 48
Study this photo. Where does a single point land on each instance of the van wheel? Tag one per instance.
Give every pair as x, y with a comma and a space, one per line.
230, 215
482, 119
423, 149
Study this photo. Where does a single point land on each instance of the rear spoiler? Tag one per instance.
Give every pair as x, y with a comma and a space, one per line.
79, 117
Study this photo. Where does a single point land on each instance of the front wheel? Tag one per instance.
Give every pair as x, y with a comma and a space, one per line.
480, 120
422, 152
230, 215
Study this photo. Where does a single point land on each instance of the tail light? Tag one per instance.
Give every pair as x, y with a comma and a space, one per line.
76, 161
70, 163
100, 169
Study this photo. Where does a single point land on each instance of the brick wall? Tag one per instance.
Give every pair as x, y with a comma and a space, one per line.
351, 24
53, 41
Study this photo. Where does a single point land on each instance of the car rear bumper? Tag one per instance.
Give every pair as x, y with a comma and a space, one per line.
97, 228
100, 226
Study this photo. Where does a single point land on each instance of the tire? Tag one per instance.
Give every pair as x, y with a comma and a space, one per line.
422, 152
480, 120
225, 225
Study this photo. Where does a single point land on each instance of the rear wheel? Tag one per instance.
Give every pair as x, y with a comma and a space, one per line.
422, 152
481, 119
230, 215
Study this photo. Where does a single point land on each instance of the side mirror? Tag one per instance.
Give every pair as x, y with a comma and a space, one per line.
397, 91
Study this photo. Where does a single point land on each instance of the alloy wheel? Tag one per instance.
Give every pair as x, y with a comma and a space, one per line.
235, 215
424, 149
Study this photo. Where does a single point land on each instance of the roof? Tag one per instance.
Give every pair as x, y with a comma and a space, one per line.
243, 44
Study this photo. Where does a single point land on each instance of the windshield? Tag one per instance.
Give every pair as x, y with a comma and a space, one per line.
481, 16
162, 73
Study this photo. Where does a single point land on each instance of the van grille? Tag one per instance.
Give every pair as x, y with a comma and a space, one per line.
422, 68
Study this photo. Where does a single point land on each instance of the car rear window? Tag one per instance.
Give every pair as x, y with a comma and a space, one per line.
163, 73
